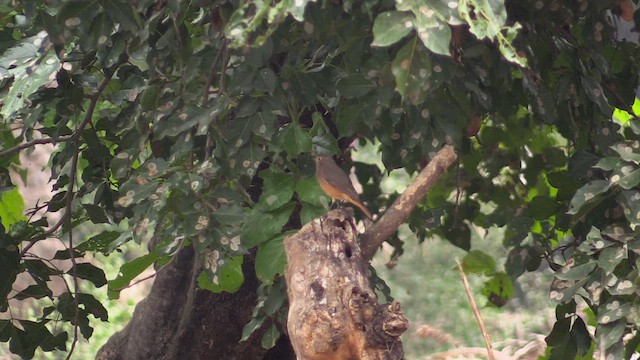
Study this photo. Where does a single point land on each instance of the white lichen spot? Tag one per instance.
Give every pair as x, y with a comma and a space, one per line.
72, 22
140, 180
102, 40
423, 73
404, 65
371, 73
588, 196
239, 143
626, 284
153, 169
555, 295
246, 163
437, 68
415, 135
403, 153
424, 113
397, 110
408, 24
539, 5
395, 136
615, 178
234, 246
605, 319
308, 27
599, 244
194, 185
434, 143
224, 240
271, 199
262, 129
122, 155
605, 131
183, 116
452, 4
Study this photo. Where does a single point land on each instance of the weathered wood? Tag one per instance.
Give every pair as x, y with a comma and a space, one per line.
333, 313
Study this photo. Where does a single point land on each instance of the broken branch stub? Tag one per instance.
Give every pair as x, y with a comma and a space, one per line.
333, 313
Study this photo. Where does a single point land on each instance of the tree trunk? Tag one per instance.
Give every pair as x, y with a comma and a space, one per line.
177, 320
333, 313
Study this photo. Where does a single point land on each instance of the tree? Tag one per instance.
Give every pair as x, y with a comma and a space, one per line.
189, 127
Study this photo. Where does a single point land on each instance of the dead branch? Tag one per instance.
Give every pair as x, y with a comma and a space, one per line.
404, 205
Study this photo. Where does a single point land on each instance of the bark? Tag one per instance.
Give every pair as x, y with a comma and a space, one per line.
177, 320
333, 313
388, 224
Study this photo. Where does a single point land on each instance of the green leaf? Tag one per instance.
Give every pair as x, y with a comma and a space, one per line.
271, 259
229, 214
630, 202
28, 78
610, 258
581, 336
499, 289
412, 69
99, 243
96, 214
261, 225
277, 190
478, 262
612, 310
93, 306
11, 208
391, 26
90, 272
559, 333
309, 191
434, 33
627, 177
9, 262
129, 271
609, 334
543, 207
228, 278
577, 272
587, 196
295, 140
567, 349
270, 337
253, 325
355, 85
34, 291
123, 13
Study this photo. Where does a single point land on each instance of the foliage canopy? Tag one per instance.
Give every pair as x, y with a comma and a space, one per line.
193, 124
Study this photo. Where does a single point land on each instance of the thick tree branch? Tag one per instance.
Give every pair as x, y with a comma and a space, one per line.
402, 207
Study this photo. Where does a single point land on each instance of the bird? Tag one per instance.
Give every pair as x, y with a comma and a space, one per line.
335, 183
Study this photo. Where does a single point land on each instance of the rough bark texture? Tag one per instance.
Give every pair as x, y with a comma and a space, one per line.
333, 313
180, 321
388, 224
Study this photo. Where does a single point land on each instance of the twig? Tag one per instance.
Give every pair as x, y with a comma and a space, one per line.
212, 69
476, 313
405, 203
16, 149
225, 62
74, 267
